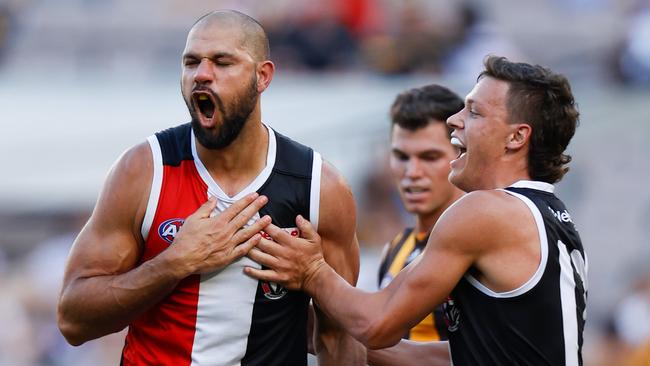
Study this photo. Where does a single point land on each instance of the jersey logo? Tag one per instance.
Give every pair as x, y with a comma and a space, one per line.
169, 228
452, 314
561, 216
272, 290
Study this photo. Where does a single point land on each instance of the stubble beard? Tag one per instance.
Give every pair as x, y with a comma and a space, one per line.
233, 117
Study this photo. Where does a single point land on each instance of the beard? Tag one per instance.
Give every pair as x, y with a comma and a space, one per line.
233, 116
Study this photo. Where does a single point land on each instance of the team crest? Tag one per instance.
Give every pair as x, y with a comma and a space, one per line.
272, 290
169, 228
452, 314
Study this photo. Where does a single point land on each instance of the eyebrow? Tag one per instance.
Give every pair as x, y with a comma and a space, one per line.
472, 102
420, 153
214, 56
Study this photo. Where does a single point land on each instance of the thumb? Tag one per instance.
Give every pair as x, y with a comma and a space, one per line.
307, 231
206, 209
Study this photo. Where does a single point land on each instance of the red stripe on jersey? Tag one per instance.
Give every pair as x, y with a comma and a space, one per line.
165, 333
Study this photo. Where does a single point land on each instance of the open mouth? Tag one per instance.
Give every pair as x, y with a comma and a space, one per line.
204, 103
415, 190
455, 141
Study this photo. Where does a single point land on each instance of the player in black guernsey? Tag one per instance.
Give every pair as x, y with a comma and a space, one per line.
505, 258
502, 331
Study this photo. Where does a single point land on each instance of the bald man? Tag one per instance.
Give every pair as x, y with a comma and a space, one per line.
164, 250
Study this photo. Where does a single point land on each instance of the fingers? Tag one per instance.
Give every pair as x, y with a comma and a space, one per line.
262, 258
270, 247
249, 211
278, 234
251, 230
245, 247
306, 229
206, 208
262, 274
238, 206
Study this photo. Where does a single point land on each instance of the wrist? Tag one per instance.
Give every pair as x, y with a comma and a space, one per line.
312, 277
174, 265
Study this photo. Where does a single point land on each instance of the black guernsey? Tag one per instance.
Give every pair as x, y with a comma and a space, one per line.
540, 323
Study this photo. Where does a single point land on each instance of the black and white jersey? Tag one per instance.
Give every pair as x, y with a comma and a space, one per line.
224, 317
539, 323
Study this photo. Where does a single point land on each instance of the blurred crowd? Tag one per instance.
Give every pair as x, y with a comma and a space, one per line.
380, 36
385, 37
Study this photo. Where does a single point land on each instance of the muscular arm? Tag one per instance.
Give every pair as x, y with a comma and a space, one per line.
411, 353
103, 289
337, 224
469, 234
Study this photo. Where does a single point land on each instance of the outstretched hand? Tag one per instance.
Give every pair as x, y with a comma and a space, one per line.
290, 261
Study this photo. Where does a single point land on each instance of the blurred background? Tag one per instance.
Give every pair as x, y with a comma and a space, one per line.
83, 80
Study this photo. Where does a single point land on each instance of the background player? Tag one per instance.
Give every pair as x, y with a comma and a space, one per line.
420, 154
506, 256
160, 256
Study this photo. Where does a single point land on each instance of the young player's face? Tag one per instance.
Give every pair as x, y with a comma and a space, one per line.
219, 83
481, 131
419, 164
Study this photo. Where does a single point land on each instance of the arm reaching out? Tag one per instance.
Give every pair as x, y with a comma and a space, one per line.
379, 319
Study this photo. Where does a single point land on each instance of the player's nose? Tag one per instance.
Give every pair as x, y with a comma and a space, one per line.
455, 121
204, 72
413, 169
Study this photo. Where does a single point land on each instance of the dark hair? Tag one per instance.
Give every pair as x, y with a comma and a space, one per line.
415, 108
543, 99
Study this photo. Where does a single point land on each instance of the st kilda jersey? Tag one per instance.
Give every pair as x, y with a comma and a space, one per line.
225, 317
401, 251
539, 323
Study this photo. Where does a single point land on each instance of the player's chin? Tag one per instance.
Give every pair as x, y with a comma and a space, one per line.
417, 207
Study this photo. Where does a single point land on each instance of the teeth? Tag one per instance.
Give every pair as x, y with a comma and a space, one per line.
456, 142
415, 190
203, 97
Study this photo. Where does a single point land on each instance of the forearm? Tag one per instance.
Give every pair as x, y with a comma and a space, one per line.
411, 353
339, 348
92, 307
358, 312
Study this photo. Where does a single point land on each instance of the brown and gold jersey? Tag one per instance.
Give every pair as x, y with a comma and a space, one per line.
401, 251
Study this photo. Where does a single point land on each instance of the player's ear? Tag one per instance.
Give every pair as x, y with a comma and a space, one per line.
265, 71
519, 136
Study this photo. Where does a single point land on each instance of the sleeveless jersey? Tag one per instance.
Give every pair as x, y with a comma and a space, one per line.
225, 317
539, 323
402, 250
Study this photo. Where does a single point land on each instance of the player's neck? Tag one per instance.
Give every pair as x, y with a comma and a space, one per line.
235, 166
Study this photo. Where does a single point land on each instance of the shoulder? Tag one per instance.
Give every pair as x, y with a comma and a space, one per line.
487, 205
479, 218
126, 190
134, 164
335, 191
292, 157
337, 224
337, 207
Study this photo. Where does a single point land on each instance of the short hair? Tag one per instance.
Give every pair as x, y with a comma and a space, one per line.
417, 107
543, 99
254, 36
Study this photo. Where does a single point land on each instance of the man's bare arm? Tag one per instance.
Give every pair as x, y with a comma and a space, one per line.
379, 319
337, 225
411, 353
103, 290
